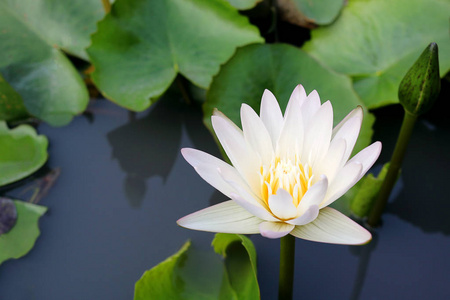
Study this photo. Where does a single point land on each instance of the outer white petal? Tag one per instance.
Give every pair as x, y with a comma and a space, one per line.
291, 137
367, 157
345, 179
314, 195
349, 131
271, 115
243, 158
357, 112
255, 210
256, 133
207, 167
310, 107
225, 217
308, 216
282, 205
333, 227
275, 230
318, 135
333, 160
298, 97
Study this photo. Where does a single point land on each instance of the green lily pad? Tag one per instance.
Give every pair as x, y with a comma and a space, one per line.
34, 33
307, 12
243, 4
141, 46
377, 41
279, 68
22, 152
11, 103
240, 263
188, 274
19, 241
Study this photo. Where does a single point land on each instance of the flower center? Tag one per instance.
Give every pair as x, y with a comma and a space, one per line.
291, 176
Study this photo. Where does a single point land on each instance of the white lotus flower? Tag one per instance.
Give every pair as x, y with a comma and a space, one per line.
285, 172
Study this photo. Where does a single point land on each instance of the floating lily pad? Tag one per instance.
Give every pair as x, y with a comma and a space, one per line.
19, 241
141, 46
8, 215
240, 262
22, 152
308, 13
279, 68
199, 275
11, 103
34, 33
377, 41
244, 4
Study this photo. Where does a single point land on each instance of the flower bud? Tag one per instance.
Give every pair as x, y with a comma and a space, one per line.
421, 85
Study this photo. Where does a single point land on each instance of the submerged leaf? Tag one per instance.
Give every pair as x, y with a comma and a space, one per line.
22, 152
8, 215
141, 46
376, 41
19, 241
33, 33
279, 68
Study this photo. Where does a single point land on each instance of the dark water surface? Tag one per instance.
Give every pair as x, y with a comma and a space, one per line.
123, 184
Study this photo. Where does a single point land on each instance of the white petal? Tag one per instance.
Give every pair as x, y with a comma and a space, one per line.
255, 210
318, 135
333, 160
275, 230
314, 195
243, 158
333, 227
349, 131
308, 216
225, 217
271, 115
282, 205
291, 137
357, 112
207, 167
298, 97
367, 157
310, 107
345, 179
256, 133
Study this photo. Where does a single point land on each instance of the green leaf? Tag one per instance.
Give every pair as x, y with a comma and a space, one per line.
11, 103
240, 262
376, 41
141, 46
320, 12
188, 274
279, 68
23, 152
243, 4
33, 34
366, 193
19, 241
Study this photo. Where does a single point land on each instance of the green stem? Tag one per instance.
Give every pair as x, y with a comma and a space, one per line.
396, 161
286, 279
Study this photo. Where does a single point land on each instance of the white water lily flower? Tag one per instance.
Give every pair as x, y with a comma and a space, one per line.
285, 171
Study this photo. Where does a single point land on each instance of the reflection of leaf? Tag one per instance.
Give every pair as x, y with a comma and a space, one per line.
367, 192
377, 42
279, 68
187, 274
32, 32
19, 241
305, 12
11, 104
22, 152
240, 262
142, 45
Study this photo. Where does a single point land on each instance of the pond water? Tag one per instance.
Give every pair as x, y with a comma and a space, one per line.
123, 184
